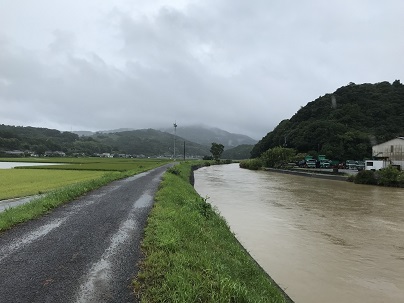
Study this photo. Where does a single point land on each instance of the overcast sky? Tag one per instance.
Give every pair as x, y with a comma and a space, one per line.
242, 66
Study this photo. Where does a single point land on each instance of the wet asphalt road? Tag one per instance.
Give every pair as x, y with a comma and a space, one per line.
84, 251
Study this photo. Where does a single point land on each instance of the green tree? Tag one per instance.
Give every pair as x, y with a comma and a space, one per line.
216, 150
39, 149
363, 115
278, 156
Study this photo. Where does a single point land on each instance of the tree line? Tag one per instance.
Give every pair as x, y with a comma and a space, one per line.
147, 142
342, 125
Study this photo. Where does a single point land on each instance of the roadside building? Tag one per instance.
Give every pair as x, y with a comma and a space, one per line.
15, 153
55, 154
392, 151
106, 155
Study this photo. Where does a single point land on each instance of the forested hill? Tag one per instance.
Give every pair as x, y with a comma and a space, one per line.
146, 142
342, 125
34, 139
150, 142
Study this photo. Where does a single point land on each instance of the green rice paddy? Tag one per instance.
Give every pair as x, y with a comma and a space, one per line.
61, 185
26, 181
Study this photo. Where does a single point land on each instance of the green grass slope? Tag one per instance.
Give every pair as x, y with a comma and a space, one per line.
192, 256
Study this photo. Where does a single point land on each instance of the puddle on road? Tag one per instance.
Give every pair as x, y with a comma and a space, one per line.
146, 200
135, 177
40, 232
97, 280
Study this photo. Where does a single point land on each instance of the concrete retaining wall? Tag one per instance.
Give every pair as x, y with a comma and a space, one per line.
314, 174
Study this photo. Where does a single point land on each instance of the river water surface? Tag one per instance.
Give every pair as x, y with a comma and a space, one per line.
320, 240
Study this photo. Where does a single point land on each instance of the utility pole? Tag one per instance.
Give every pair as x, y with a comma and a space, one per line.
175, 136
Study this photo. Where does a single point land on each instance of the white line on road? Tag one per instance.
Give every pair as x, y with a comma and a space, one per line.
31, 237
96, 283
40, 231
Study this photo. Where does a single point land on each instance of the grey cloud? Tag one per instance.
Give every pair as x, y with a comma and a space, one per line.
242, 66
64, 42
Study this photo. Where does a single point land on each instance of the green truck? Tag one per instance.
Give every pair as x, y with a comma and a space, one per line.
324, 162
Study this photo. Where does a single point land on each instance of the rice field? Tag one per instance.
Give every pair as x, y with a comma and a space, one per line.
24, 181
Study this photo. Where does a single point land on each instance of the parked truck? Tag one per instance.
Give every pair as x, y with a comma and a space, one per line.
324, 162
311, 163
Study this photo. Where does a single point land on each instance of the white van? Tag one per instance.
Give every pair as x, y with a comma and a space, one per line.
375, 164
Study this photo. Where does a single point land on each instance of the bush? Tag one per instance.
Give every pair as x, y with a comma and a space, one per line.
275, 157
365, 177
401, 179
207, 158
253, 164
388, 176
174, 170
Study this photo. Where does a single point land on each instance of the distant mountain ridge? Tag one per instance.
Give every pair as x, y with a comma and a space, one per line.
205, 135
19, 140
150, 142
202, 135
90, 133
142, 142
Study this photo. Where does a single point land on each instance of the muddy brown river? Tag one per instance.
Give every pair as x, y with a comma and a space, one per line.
320, 240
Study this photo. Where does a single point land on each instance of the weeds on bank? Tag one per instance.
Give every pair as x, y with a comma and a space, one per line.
192, 256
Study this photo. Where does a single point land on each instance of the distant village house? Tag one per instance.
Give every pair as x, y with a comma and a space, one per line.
54, 154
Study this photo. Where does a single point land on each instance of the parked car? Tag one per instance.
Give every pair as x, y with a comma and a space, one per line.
350, 164
360, 165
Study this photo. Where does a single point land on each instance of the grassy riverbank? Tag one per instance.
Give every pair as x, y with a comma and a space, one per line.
192, 256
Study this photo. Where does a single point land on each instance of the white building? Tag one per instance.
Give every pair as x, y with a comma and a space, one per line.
392, 150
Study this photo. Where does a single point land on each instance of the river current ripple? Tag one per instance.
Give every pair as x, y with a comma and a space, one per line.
321, 240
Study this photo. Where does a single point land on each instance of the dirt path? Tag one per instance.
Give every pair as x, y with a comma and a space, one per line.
85, 251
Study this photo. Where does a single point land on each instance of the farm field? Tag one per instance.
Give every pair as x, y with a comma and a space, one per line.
100, 164
25, 181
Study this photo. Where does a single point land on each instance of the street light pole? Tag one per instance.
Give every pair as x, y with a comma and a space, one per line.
175, 136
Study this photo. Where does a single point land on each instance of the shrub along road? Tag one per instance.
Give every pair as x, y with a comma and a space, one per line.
84, 251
